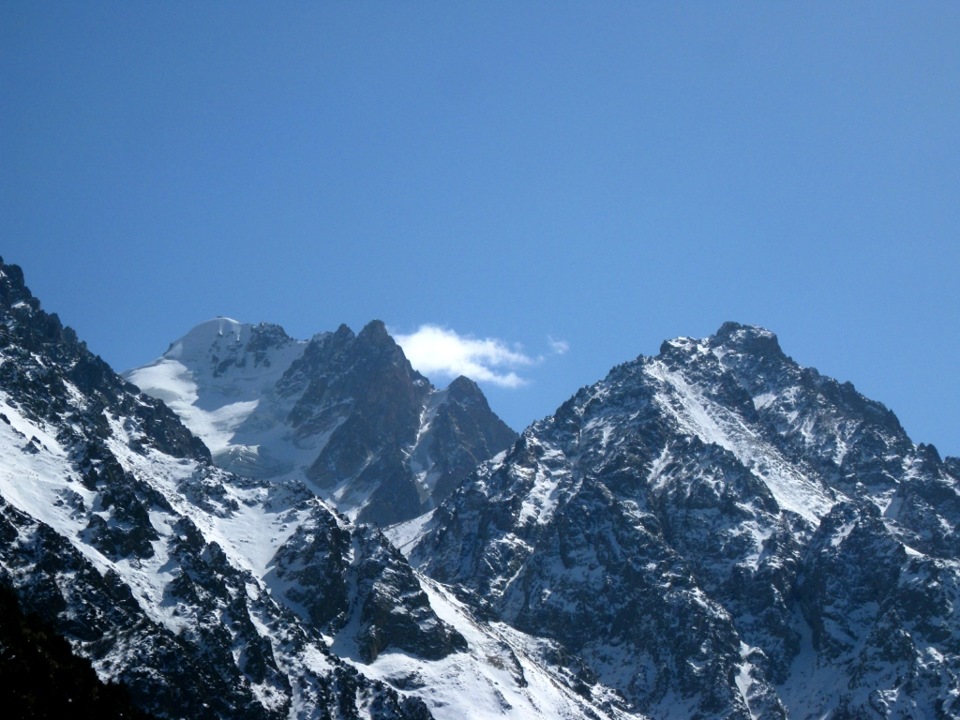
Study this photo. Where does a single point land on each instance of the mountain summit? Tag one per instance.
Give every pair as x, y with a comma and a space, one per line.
208, 594
344, 410
718, 532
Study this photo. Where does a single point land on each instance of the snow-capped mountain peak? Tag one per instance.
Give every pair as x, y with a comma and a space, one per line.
345, 411
715, 532
718, 531
212, 595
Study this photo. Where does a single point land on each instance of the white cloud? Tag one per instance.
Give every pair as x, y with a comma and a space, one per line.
435, 350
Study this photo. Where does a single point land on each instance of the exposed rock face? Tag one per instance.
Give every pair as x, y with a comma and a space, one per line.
346, 411
350, 582
721, 533
213, 595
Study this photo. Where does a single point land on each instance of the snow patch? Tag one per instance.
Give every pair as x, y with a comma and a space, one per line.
713, 424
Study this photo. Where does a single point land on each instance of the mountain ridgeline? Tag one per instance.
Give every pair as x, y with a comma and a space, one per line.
179, 580
282, 528
345, 411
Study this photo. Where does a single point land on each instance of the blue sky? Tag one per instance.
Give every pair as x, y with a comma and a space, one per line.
565, 184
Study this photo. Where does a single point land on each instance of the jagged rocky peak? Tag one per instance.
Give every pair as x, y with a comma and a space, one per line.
465, 389
697, 528
375, 333
344, 410
715, 532
746, 338
179, 580
13, 290
734, 342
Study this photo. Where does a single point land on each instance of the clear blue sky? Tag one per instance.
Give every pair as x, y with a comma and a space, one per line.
605, 174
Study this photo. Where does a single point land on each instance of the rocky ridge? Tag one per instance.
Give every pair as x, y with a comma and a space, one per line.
714, 532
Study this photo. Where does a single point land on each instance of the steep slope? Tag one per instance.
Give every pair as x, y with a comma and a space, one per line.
718, 532
213, 595
346, 411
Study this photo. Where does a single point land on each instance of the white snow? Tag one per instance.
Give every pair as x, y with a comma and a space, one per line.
540, 502
763, 400
406, 535
250, 535
656, 478
759, 535
228, 395
42, 483
215, 403
500, 675
45, 486
745, 680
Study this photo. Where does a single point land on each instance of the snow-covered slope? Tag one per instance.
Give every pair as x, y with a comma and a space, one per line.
345, 411
216, 377
718, 532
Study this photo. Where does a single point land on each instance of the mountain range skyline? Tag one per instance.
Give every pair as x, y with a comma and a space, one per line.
595, 177
492, 361
714, 531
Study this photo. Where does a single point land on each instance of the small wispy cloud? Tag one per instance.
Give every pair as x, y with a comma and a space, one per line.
435, 350
559, 347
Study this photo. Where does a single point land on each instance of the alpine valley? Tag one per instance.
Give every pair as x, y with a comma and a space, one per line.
255, 526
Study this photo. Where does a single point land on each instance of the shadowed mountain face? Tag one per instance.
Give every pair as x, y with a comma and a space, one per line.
720, 532
345, 411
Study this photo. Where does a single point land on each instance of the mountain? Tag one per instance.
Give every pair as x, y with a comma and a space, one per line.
119, 533
346, 411
207, 594
714, 532
718, 532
